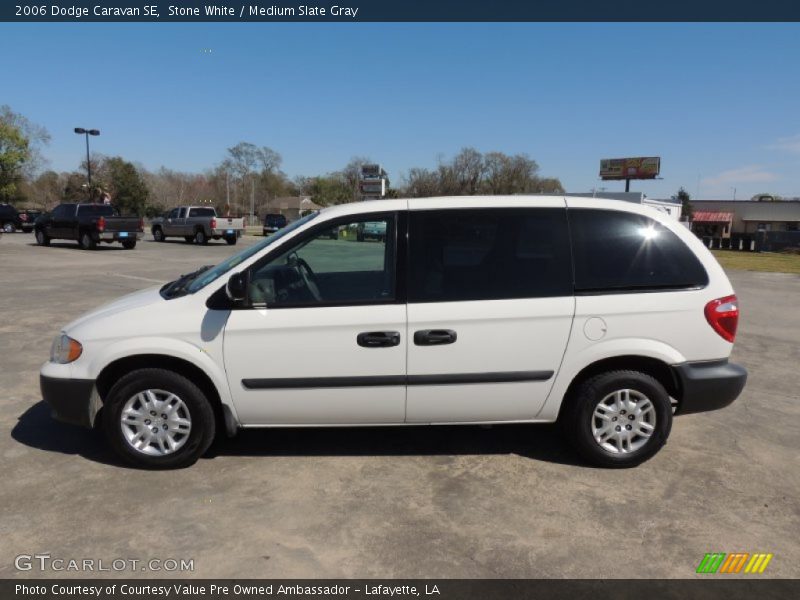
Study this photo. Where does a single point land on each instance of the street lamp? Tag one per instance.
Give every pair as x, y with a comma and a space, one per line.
87, 133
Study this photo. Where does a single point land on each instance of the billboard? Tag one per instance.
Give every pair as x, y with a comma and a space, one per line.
373, 188
371, 172
643, 167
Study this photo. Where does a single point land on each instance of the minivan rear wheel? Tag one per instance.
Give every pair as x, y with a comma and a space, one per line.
158, 419
618, 418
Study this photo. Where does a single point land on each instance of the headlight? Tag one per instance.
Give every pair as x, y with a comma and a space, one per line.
65, 349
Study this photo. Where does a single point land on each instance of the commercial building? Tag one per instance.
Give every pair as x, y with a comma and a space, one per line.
721, 218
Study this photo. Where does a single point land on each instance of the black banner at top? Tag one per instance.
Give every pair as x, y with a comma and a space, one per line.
238, 11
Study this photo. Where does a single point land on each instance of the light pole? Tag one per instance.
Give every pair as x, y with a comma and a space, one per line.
87, 133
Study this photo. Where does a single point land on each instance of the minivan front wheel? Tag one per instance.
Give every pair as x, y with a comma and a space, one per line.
158, 419
618, 418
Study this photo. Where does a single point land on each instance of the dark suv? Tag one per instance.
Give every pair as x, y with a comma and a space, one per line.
273, 223
9, 218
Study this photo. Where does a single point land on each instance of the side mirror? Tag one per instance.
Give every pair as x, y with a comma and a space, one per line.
236, 288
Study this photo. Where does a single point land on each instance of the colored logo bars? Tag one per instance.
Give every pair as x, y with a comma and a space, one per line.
719, 562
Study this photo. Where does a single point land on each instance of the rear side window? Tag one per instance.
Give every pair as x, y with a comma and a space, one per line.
619, 251
97, 210
488, 254
202, 212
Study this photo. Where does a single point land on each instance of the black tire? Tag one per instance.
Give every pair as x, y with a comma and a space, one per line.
158, 234
86, 242
189, 239
200, 237
202, 418
577, 417
231, 240
41, 238
129, 244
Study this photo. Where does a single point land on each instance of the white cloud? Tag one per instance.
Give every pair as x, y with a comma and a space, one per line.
742, 175
787, 144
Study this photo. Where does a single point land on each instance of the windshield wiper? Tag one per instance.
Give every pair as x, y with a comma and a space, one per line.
178, 287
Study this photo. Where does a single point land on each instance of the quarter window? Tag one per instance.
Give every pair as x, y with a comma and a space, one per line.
615, 250
488, 254
348, 263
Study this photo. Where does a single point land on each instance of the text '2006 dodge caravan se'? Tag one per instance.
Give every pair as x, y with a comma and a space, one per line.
593, 313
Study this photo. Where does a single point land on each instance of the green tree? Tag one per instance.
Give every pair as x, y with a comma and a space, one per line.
126, 185
19, 151
14, 152
686, 206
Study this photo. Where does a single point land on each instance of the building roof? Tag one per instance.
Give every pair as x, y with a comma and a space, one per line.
295, 202
708, 216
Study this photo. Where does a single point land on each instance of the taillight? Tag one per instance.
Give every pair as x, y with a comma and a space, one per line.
213, 222
723, 316
141, 224
101, 224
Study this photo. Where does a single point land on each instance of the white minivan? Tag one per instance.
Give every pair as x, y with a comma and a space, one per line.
604, 315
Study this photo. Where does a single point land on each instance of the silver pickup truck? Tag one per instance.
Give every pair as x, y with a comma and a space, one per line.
196, 224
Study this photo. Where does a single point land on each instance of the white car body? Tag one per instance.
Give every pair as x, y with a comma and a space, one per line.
559, 336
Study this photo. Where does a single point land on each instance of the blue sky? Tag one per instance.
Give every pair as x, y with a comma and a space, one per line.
719, 103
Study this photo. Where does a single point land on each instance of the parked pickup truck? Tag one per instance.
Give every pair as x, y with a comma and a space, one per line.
88, 224
196, 224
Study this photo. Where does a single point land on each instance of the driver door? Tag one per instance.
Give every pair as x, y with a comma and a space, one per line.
322, 339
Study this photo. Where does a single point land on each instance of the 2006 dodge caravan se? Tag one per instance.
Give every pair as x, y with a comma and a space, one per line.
603, 315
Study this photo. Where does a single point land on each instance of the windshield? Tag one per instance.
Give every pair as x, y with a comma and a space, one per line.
210, 275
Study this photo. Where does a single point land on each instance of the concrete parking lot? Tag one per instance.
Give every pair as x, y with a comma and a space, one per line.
421, 502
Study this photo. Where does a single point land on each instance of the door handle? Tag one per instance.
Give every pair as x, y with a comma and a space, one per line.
434, 337
378, 339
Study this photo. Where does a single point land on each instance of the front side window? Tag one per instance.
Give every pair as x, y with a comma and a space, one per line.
619, 251
488, 254
173, 214
338, 265
202, 280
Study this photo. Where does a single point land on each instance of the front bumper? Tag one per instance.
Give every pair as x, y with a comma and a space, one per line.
708, 385
119, 236
72, 400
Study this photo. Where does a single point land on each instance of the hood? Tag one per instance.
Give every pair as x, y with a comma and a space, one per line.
139, 299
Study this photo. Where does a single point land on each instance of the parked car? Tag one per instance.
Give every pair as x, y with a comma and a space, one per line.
372, 231
88, 224
196, 224
27, 219
480, 310
9, 219
273, 222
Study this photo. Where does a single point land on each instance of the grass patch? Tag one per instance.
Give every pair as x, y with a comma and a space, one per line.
769, 262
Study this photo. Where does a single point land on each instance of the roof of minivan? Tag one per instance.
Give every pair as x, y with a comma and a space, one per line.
444, 202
